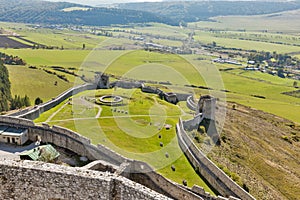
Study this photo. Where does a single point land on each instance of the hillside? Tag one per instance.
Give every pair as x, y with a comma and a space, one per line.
191, 11
263, 150
34, 11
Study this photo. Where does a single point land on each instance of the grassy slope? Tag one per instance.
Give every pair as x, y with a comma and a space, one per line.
42, 86
260, 148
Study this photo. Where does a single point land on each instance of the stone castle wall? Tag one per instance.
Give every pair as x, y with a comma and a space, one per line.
64, 138
193, 124
35, 112
191, 103
142, 173
81, 145
215, 176
39, 181
182, 96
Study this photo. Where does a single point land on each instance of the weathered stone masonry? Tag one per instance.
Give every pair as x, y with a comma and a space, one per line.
36, 180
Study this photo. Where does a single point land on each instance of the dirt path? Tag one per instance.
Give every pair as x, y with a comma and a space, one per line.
87, 103
55, 113
83, 102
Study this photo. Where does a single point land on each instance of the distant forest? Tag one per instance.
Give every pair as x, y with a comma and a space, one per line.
191, 11
172, 13
33, 11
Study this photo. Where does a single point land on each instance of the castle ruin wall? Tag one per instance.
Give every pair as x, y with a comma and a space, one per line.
39, 181
215, 176
35, 112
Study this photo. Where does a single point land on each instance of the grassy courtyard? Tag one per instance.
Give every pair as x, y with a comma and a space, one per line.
135, 129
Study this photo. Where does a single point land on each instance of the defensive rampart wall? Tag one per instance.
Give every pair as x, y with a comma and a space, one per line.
39, 181
191, 103
214, 175
35, 112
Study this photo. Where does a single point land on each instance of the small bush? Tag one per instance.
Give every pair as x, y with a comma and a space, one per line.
167, 155
184, 182
173, 168
197, 138
233, 107
202, 129
245, 187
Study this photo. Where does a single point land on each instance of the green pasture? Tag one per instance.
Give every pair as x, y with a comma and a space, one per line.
143, 65
242, 89
85, 62
168, 42
40, 57
134, 135
66, 58
61, 38
280, 108
35, 83
222, 40
263, 77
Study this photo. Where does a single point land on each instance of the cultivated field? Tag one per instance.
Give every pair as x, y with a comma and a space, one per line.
11, 42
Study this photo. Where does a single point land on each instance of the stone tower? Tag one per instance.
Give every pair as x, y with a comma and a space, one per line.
207, 106
102, 81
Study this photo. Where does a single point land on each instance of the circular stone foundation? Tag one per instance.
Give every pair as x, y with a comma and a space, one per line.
110, 100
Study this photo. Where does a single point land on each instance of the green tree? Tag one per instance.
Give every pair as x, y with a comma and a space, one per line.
26, 101
214, 44
38, 101
5, 94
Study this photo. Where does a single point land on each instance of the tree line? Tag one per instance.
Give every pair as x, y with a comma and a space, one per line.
11, 60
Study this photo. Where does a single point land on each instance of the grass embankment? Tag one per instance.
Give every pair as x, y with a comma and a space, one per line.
261, 151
